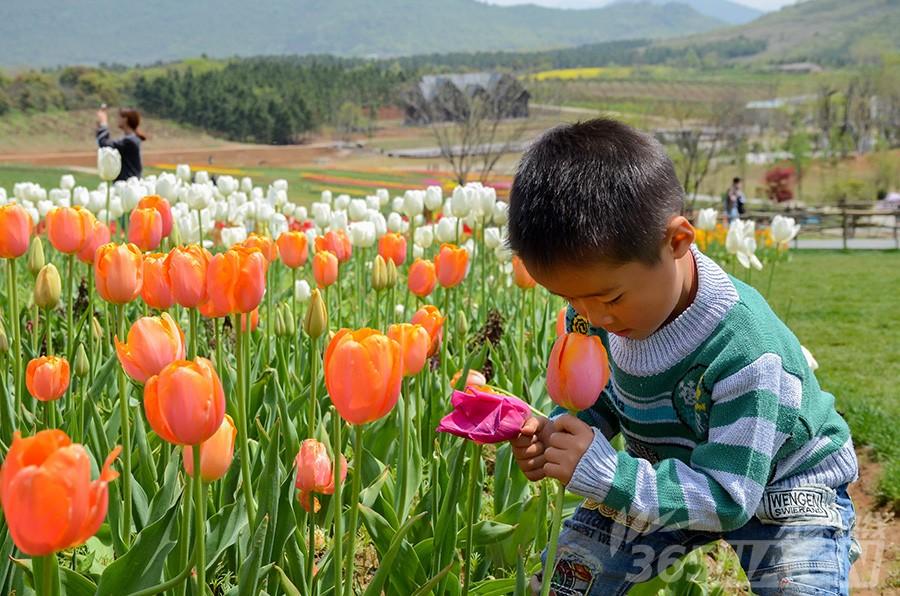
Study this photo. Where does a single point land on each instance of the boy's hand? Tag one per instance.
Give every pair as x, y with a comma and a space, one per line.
528, 447
565, 447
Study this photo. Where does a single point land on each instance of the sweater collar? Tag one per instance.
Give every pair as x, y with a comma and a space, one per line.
679, 338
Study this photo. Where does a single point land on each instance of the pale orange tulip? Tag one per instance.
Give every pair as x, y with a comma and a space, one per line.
578, 371
155, 290
216, 453
430, 318
153, 343
521, 276
414, 343
393, 246
15, 231
119, 272
185, 403
186, 269
293, 247
422, 278
165, 211
97, 237
325, 268
68, 228
47, 377
450, 265
145, 228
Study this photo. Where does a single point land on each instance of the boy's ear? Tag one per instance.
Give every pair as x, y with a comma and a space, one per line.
679, 236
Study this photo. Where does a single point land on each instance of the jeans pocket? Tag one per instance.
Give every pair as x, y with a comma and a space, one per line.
818, 578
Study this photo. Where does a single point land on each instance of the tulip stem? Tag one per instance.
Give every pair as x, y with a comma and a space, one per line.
108, 191
550, 564
49, 326
354, 503
338, 536
242, 373
193, 322
90, 321
311, 546
184, 539
200, 516
17, 335
474, 469
402, 493
46, 575
70, 327
126, 438
313, 383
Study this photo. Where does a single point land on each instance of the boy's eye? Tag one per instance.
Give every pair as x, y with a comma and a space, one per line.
616, 299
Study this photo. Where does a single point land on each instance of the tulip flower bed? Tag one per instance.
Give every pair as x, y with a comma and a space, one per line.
181, 412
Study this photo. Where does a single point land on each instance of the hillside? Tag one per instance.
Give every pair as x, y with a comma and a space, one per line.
726, 11
824, 31
54, 32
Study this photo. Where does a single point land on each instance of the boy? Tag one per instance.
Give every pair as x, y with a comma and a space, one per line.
727, 432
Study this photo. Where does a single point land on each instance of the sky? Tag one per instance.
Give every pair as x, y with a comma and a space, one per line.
760, 4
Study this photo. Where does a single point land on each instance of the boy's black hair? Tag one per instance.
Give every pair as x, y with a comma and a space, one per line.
595, 190
735, 180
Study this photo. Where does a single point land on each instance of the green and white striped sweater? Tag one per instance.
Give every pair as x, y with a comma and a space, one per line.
715, 407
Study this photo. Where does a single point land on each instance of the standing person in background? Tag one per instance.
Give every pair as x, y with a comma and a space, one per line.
129, 146
733, 201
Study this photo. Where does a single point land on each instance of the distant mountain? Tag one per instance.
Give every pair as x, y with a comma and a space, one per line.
723, 10
55, 32
826, 31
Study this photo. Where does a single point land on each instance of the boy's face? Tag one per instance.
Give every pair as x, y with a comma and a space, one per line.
632, 299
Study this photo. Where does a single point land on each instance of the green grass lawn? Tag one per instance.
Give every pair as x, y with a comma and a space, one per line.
843, 307
46, 177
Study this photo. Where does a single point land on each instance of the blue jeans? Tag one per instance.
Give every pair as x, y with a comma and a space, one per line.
599, 556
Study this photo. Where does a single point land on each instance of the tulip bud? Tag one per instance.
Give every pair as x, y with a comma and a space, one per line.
290, 326
82, 365
462, 323
96, 329
36, 255
4, 341
279, 322
392, 275
47, 287
316, 322
379, 274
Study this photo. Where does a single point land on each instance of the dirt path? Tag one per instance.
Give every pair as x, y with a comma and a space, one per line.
878, 569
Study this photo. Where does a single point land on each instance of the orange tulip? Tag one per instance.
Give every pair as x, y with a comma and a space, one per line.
254, 320
47, 377
561, 321
68, 228
155, 290
336, 242
15, 231
363, 370
165, 211
153, 343
430, 318
145, 226
414, 345
263, 244
293, 248
315, 473
119, 272
216, 453
521, 276
186, 270
393, 246
474, 378
578, 371
325, 268
97, 237
421, 278
49, 501
236, 280
185, 403
450, 265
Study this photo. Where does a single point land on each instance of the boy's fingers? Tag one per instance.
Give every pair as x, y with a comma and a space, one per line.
553, 455
530, 426
560, 440
554, 471
530, 451
533, 463
522, 441
535, 475
570, 424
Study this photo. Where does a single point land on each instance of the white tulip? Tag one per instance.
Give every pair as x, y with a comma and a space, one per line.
35, 216
264, 211
447, 208
233, 235
311, 235
131, 194
3, 198
278, 224
300, 213
735, 236
197, 196
362, 234
433, 198
446, 229
167, 186
97, 202
246, 184
383, 196
424, 236
417, 251
341, 202
397, 204
460, 202
256, 194
115, 208
201, 177
326, 197
487, 198
399, 310
280, 184
810, 359
503, 254
44, 207
338, 220
377, 218
302, 291
395, 222
109, 163
472, 219
183, 172
58, 196
81, 196
492, 237
372, 202
784, 229
413, 203
321, 213
706, 219
501, 213
67, 182
226, 185
358, 210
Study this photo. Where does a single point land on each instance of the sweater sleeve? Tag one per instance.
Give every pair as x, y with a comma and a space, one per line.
601, 415
721, 487
104, 139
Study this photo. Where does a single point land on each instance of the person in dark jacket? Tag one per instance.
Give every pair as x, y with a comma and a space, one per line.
129, 146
